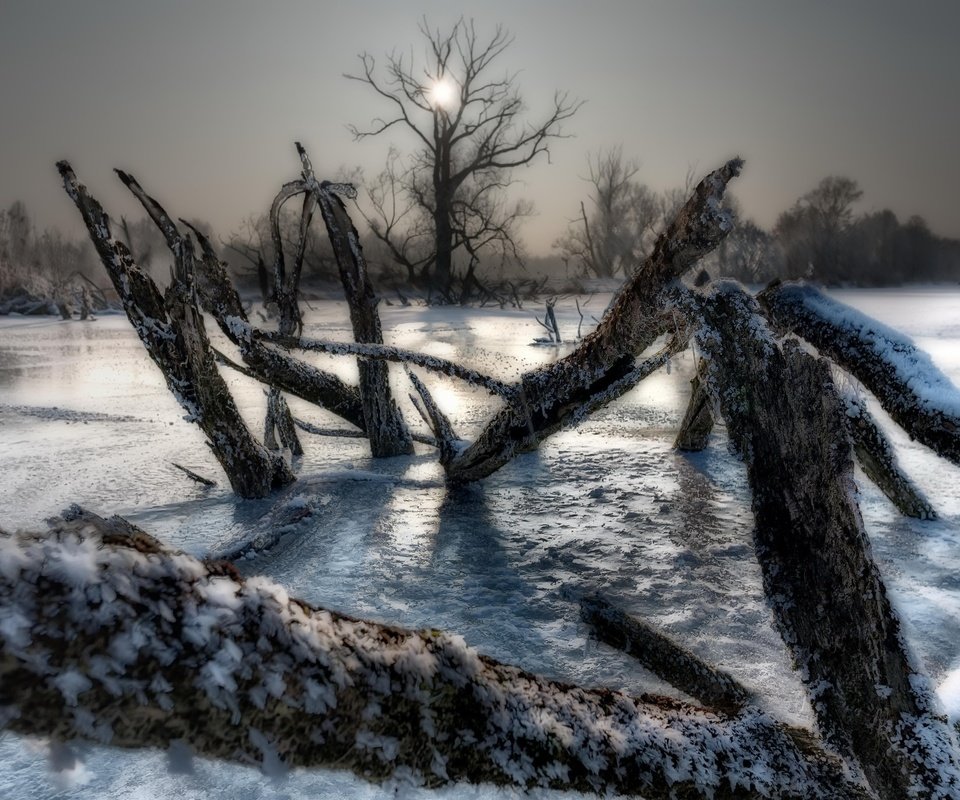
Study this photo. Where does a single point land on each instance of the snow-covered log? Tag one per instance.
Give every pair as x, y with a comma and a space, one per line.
171, 328
110, 637
787, 420
384, 423
878, 460
909, 386
550, 396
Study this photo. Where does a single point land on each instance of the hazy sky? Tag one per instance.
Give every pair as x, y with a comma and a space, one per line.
202, 99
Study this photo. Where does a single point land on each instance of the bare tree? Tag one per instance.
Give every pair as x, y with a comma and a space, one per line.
811, 231
445, 203
615, 237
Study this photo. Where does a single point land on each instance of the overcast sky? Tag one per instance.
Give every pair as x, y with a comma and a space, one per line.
202, 99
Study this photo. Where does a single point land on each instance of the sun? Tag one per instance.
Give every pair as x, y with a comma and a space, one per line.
443, 93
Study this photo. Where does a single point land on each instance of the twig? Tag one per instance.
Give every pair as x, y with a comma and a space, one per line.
193, 475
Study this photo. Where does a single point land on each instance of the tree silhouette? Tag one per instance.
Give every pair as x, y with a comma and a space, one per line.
444, 204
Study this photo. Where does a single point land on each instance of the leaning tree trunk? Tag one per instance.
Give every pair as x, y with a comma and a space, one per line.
383, 422
110, 637
697, 420
917, 395
786, 419
220, 299
553, 396
172, 330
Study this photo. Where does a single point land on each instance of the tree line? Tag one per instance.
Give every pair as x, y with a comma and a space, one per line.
819, 237
441, 220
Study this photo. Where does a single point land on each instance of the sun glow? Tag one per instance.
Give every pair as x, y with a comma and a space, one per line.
443, 94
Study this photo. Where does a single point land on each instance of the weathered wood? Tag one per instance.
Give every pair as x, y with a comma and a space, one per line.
111, 637
193, 475
287, 295
830, 604
697, 421
448, 443
663, 657
397, 355
172, 330
220, 299
879, 462
917, 395
283, 420
384, 424
551, 395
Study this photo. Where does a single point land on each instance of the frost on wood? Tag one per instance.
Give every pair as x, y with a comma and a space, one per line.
548, 398
384, 424
827, 595
220, 299
112, 638
171, 328
879, 462
917, 395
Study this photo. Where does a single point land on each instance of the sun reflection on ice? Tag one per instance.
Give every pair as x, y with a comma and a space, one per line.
411, 518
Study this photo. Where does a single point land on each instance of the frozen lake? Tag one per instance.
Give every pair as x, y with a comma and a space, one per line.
85, 417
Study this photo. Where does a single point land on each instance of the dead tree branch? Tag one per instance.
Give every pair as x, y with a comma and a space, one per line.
397, 355
172, 330
219, 298
697, 419
383, 422
663, 657
118, 640
917, 395
878, 460
447, 440
193, 475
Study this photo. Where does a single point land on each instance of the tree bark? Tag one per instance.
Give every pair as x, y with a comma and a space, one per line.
917, 395
382, 419
786, 419
549, 396
220, 299
697, 421
113, 638
663, 657
879, 461
172, 330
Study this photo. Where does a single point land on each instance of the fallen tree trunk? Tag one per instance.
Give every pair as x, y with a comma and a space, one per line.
828, 599
110, 637
663, 657
878, 460
549, 397
917, 395
172, 330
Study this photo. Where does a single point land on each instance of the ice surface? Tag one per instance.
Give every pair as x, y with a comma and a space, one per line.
608, 505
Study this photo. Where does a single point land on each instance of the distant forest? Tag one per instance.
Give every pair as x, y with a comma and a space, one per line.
820, 237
